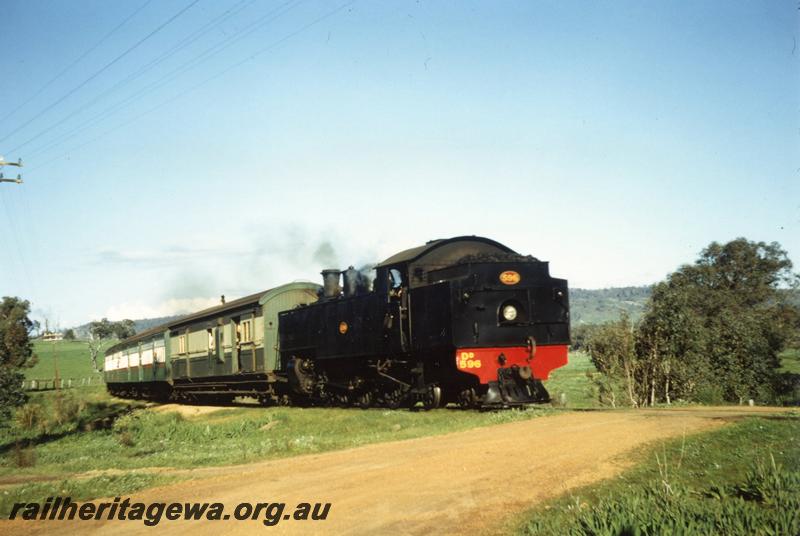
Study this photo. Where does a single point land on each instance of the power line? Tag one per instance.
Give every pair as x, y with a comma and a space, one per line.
102, 70
12, 222
12, 226
30, 228
181, 45
259, 52
78, 60
165, 79
92, 102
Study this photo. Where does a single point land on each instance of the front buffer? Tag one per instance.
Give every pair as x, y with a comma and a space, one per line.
512, 376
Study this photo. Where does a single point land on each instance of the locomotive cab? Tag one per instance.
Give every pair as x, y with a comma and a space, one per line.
490, 323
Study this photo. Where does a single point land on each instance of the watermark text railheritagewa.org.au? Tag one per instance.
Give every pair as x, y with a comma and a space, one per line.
151, 514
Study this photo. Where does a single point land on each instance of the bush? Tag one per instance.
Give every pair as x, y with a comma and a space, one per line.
66, 408
126, 439
710, 394
787, 389
29, 417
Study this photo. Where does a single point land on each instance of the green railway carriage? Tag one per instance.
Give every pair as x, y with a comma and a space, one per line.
221, 352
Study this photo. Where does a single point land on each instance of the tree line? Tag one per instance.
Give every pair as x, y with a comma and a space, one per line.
711, 332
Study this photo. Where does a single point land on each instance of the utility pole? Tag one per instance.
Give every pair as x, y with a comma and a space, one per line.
18, 163
57, 379
54, 354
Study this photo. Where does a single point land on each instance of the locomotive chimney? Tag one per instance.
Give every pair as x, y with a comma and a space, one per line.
330, 283
350, 282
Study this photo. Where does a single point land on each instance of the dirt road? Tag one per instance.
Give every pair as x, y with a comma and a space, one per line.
465, 482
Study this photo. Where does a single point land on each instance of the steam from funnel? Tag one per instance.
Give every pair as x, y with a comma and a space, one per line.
365, 279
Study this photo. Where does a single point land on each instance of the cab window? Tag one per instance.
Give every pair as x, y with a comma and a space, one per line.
395, 278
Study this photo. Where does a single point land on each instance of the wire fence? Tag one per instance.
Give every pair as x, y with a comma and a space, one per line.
61, 383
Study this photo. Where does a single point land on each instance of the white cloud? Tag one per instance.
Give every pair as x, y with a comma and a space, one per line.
174, 306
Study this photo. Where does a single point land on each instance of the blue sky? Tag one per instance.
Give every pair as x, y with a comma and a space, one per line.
189, 149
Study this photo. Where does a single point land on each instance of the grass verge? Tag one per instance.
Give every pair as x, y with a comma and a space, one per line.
132, 442
741, 479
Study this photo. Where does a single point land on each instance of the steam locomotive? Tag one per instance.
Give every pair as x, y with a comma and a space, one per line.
463, 320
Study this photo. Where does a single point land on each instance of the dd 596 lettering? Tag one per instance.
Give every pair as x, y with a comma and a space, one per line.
467, 360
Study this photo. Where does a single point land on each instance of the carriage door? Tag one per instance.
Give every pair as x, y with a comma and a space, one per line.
271, 361
247, 347
236, 334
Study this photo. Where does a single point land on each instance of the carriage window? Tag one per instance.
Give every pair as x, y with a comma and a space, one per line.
210, 332
396, 278
182, 344
247, 334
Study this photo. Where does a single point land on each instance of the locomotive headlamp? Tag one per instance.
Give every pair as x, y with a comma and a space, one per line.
509, 312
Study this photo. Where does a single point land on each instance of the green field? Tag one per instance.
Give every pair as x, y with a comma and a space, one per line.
742, 479
573, 382
71, 358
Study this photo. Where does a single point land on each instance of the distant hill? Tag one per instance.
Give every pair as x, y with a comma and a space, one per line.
587, 306
598, 306
606, 304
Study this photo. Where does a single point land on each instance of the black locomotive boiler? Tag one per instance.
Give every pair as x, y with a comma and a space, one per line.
463, 320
